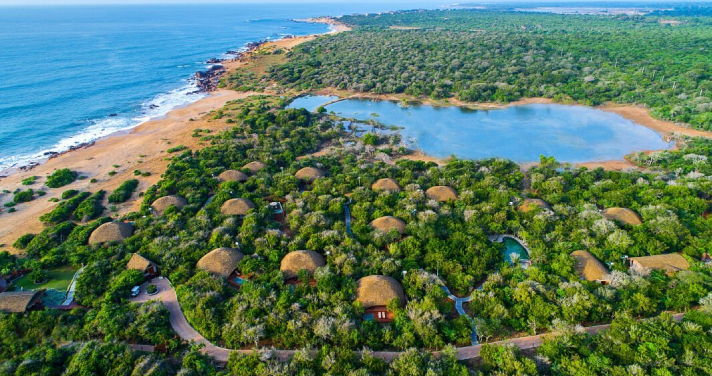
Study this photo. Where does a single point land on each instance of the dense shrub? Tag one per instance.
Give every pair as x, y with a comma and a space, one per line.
124, 191
61, 177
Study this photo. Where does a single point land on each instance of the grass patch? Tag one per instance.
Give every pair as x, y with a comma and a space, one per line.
58, 279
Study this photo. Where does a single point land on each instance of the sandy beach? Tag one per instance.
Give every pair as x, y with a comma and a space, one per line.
142, 148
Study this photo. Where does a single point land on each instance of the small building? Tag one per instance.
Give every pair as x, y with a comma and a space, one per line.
706, 258
254, 167
530, 204
388, 223
162, 204
233, 175
111, 232
386, 185
237, 206
144, 265
20, 301
441, 193
589, 268
375, 293
296, 261
222, 262
277, 211
622, 215
670, 263
309, 174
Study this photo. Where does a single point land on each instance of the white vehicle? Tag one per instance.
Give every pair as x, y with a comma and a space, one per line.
135, 291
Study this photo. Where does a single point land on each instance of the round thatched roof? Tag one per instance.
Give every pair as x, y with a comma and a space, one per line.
378, 290
387, 185
254, 167
588, 267
309, 174
232, 175
388, 223
165, 202
622, 215
295, 261
221, 261
441, 193
236, 206
530, 203
111, 232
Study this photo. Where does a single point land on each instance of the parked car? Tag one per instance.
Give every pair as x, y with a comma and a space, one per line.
135, 291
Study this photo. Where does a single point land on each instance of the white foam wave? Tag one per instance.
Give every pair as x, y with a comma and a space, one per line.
98, 128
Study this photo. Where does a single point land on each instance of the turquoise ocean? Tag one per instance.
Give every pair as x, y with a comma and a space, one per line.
72, 74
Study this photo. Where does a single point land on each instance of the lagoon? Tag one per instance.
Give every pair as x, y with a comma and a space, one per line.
521, 133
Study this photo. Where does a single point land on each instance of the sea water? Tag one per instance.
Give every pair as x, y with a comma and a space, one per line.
520, 133
71, 74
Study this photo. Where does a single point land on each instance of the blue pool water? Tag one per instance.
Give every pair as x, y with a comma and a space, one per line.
511, 247
520, 133
67, 69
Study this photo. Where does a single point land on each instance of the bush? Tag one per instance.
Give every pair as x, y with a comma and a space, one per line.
176, 149
151, 289
124, 191
29, 181
23, 196
69, 193
370, 139
37, 276
61, 177
91, 208
64, 210
23, 241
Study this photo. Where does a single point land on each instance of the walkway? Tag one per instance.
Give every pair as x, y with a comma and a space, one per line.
461, 311
72, 287
347, 217
167, 295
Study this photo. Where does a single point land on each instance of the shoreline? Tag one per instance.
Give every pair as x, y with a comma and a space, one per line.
201, 79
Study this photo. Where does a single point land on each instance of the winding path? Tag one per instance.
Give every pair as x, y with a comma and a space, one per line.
347, 217
167, 295
461, 311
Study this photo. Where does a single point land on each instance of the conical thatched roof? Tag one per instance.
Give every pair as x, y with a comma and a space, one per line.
309, 174
111, 232
530, 203
588, 267
295, 261
623, 215
388, 223
441, 193
670, 263
378, 290
18, 301
163, 203
236, 206
221, 261
254, 167
232, 175
138, 262
386, 185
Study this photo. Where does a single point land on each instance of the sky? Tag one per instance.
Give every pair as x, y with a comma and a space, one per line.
414, 2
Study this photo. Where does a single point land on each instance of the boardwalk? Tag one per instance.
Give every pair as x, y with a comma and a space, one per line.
167, 295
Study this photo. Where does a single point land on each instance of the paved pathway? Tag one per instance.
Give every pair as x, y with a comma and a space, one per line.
461, 311
72, 287
347, 216
167, 295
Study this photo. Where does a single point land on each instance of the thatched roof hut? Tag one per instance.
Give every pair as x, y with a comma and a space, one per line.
237, 206
221, 261
295, 261
622, 215
387, 223
589, 268
378, 290
441, 193
669, 263
19, 301
530, 203
111, 232
138, 262
254, 167
162, 204
386, 185
233, 175
309, 174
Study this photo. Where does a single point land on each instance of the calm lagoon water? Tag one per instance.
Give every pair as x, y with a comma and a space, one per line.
520, 133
